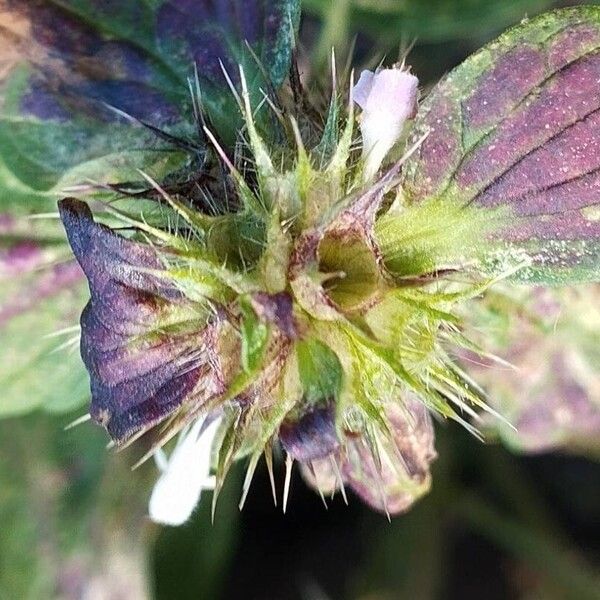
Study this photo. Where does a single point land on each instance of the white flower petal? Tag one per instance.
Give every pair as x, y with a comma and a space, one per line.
178, 489
388, 98
362, 89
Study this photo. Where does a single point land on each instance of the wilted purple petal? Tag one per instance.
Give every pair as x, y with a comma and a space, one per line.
312, 436
389, 478
321, 475
139, 374
403, 475
277, 309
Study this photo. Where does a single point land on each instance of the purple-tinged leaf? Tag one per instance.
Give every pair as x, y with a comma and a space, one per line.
550, 336
514, 130
67, 62
40, 290
145, 346
208, 33
55, 130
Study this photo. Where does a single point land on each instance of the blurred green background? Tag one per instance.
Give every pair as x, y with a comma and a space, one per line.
495, 526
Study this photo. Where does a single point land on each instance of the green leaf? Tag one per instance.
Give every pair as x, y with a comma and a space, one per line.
512, 133
434, 235
43, 153
69, 62
319, 369
429, 21
40, 295
88, 503
41, 291
254, 337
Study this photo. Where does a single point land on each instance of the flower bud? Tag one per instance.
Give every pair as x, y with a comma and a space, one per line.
387, 98
390, 471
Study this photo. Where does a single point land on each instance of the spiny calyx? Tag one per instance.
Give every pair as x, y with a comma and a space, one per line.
287, 317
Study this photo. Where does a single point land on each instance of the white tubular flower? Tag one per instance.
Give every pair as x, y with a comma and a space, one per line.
387, 98
184, 475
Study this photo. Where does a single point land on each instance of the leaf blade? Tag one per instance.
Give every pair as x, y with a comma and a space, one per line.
69, 61
514, 128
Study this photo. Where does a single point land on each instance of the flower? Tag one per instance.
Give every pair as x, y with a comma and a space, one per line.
184, 475
388, 98
276, 282
389, 473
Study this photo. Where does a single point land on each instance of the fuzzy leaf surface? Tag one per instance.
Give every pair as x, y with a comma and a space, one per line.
513, 134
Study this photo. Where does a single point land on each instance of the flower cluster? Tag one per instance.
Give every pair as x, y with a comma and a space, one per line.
299, 287
290, 339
